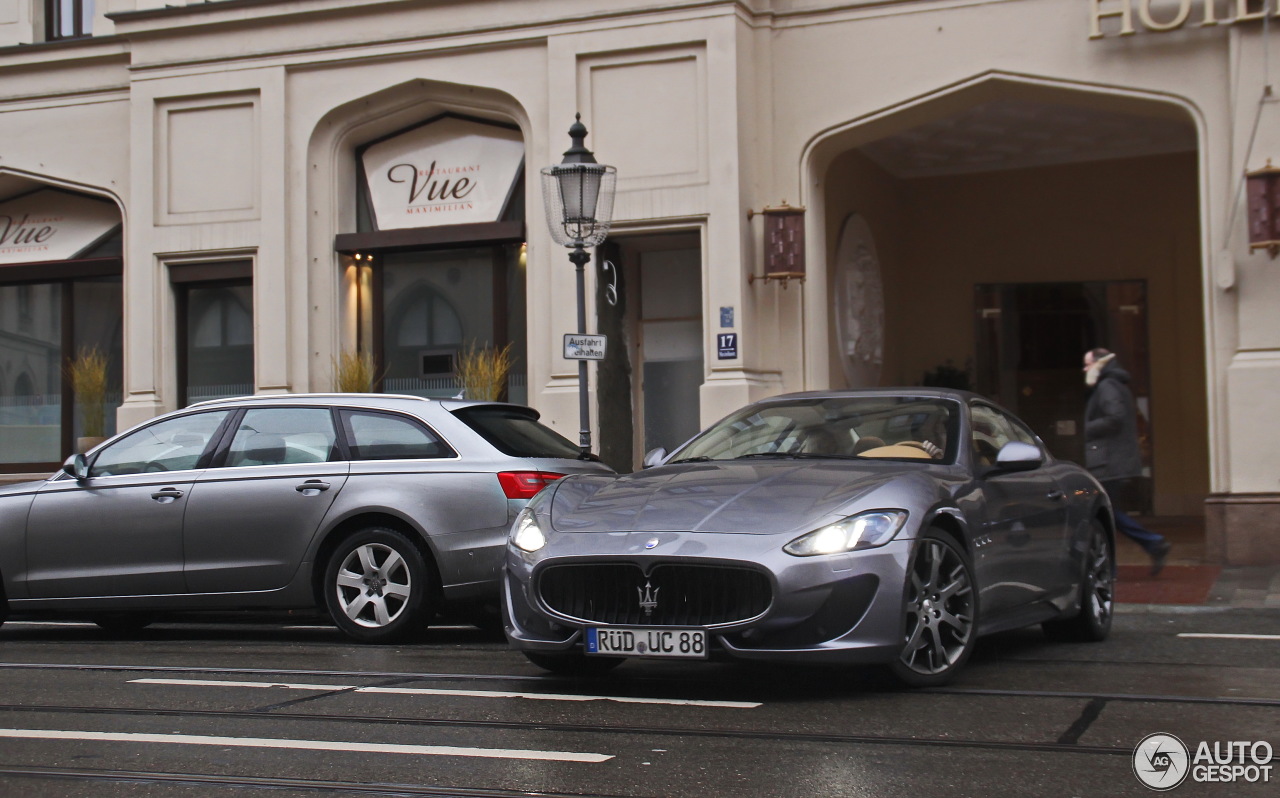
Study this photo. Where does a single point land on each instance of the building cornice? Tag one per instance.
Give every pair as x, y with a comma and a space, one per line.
78, 50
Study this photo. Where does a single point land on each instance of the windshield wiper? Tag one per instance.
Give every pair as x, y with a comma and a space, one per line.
799, 456
702, 458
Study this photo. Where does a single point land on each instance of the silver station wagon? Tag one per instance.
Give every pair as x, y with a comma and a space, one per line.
382, 510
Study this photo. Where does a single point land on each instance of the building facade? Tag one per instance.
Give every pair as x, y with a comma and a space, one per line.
226, 197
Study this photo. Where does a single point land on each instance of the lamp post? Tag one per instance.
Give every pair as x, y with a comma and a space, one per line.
578, 196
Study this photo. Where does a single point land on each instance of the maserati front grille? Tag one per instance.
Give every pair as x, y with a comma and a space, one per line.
621, 594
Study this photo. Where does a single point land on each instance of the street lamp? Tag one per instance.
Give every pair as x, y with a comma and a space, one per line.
578, 196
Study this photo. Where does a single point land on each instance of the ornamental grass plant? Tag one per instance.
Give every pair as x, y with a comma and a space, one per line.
88, 374
353, 372
481, 372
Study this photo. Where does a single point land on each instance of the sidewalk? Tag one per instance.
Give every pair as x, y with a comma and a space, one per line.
1185, 580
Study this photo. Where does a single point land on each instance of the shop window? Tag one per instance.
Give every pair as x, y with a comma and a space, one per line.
432, 305
68, 19
215, 330
436, 254
40, 414
26, 318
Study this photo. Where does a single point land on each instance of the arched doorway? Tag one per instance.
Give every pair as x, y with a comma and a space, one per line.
1015, 225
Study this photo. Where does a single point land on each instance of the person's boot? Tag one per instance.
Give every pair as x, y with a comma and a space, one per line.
1158, 555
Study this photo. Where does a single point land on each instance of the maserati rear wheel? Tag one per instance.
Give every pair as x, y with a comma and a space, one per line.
1097, 594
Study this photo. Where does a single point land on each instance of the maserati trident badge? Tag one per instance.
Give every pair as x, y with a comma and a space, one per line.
648, 598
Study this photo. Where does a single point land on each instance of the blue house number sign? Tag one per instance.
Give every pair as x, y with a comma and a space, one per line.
727, 345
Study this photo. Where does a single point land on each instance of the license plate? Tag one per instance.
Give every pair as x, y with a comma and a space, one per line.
647, 641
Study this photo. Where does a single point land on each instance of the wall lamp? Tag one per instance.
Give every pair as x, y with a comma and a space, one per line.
783, 244
1263, 191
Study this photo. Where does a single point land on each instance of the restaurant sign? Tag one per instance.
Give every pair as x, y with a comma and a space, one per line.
53, 225
448, 171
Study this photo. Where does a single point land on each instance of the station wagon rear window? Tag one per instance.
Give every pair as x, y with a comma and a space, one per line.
516, 432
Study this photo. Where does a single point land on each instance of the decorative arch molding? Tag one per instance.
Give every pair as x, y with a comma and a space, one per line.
826, 145
19, 181
332, 177
340, 132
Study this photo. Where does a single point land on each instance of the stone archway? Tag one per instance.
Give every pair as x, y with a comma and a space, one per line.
997, 204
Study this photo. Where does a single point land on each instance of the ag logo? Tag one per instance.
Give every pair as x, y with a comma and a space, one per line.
1161, 761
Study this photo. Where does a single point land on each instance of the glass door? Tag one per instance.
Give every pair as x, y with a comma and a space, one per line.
1031, 338
215, 329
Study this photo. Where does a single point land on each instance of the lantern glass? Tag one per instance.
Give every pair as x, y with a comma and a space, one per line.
579, 202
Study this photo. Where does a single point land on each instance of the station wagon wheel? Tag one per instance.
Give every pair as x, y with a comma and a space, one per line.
376, 587
1097, 594
940, 613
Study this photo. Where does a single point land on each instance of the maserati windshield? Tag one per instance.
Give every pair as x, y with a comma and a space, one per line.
913, 428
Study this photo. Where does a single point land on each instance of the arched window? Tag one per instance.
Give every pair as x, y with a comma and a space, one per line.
24, 386
220, 318
423, 319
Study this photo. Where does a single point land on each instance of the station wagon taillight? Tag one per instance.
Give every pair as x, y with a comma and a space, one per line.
525, 484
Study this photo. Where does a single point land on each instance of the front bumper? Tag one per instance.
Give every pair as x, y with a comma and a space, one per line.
838, 609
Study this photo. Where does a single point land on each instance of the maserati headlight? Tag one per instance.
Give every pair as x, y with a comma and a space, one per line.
862, 531
525, 532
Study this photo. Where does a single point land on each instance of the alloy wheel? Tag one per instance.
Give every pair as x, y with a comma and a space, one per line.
374, 585
1100, 580
939, 610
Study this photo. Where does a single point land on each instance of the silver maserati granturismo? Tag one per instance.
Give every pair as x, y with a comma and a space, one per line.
884, 526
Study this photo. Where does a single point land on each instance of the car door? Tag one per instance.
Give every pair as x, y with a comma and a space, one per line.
119, 532
1024, 516
1053, 540
251, 517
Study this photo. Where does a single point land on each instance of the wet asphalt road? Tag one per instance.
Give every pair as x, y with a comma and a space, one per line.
289, 708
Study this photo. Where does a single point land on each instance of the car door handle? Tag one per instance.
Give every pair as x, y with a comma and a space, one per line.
1055, 494
312, 487
166, 495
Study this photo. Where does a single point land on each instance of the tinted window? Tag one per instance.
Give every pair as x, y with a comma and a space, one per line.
990, 432
1020, 431
172, 445
516, 432
283, 435
382, 436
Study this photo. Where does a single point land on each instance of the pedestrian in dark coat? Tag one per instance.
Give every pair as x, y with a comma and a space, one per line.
1111, 446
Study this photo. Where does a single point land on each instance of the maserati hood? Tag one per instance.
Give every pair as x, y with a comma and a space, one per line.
752, 497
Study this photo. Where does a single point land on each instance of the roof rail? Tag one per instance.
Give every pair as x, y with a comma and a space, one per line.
294, 396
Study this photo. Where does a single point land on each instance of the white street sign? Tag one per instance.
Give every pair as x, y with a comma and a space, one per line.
585, 347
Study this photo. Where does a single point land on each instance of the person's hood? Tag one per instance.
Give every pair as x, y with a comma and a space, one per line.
738, 496
1114, 371
1093, 375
